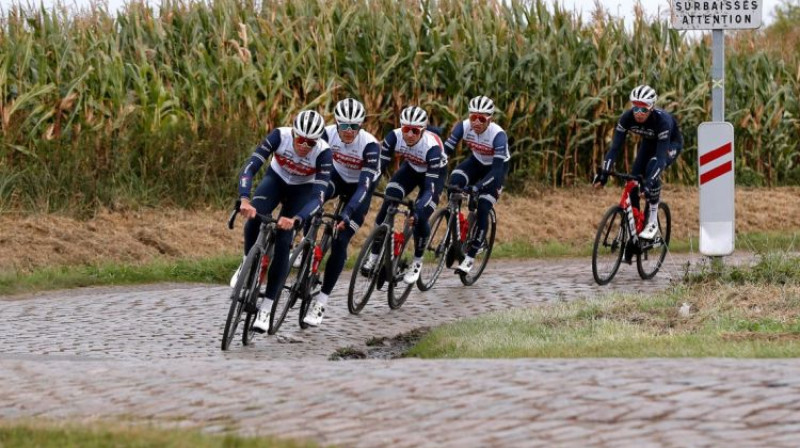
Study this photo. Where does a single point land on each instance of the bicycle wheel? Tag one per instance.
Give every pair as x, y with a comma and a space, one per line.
649, 261
295, 285
362, 281
240, 296
398, 289
609, 245
254, 302
484, 252
438, 244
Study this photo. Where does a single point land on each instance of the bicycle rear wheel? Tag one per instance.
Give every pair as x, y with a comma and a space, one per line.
240, 297
609, 245
649, 261
362, 281
484, 252
295, 284
399, 289
435, 250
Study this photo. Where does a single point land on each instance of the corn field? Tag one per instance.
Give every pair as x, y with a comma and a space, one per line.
162, 106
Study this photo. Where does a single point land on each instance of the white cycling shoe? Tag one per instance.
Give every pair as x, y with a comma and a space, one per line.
466, 266
413, 273
235, 276
315, 314
649, 231
261, 324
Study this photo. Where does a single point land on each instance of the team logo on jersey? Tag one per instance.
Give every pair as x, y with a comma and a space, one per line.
296, 168
483, 150
351, 162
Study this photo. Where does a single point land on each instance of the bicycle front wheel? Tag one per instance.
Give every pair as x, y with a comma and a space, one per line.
653, 252
609, 245
363, 280
435, 250
398, 288
240, 296
295, 285
484, 251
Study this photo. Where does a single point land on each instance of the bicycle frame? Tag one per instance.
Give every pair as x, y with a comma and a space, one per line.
634, 215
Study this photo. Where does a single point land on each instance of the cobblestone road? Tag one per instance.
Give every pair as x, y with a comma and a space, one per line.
153, 353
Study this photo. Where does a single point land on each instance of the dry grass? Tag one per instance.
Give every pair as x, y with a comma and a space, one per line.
537, 216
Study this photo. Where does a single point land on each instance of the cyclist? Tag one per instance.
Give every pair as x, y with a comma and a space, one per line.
484, 170
356, 168
661, 143
422, 150
296, 178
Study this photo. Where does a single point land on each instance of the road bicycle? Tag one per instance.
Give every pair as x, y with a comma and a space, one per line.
303, 279
618, 236
394, 258
249, 293
451, 235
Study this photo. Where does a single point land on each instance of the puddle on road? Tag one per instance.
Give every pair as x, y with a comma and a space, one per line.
383, 347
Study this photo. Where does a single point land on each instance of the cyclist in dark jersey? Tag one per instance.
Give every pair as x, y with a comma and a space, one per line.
661, 143
297, 177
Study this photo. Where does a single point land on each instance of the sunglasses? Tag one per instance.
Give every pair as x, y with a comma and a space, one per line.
478, 117
411, 130
349, 126
305, 141
640, 108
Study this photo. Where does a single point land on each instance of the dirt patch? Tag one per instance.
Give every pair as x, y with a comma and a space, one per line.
566, 215
383, 347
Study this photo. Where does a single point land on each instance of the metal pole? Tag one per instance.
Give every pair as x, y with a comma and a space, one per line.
718, 75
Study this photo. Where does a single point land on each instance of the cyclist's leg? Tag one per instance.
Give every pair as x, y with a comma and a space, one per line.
264, 200
293, 199
398, 187
486, 201
338, 254
645, 152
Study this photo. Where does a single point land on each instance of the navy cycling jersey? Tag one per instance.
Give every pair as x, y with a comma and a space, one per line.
423, 157
660, 127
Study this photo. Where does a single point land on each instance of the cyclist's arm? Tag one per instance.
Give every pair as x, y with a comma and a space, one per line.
494, 179
434, 159
370, 173
387, 150
257, 159
620, 132
321, 179
454, 138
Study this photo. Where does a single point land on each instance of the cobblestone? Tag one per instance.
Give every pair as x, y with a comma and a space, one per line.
152, 353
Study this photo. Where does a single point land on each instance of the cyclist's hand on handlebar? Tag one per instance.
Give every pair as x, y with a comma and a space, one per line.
246, 209
600, 179
285, 223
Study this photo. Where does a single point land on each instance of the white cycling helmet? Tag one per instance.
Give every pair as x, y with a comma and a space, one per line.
644, 94
413, 116
481, 105
309, 124
349, 111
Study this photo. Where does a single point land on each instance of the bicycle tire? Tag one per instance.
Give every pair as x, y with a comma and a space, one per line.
486, 248
296, 288
255, 300
399, 290
661, 243
434, 258
356, 304
239, 298
616, 246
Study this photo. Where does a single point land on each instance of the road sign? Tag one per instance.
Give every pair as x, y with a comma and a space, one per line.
717, 212
716, 14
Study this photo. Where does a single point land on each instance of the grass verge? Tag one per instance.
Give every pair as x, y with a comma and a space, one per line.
218, 269
738, 312
38, 435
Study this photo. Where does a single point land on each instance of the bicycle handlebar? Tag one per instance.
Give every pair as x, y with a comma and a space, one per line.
626, 176
266, 219
407, 202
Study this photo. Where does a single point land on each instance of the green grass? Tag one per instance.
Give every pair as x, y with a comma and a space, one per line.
209, 270
738, 312
59, 436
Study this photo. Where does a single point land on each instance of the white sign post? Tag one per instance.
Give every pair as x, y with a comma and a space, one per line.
717, 213
715, 139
